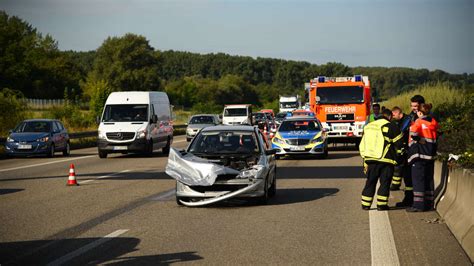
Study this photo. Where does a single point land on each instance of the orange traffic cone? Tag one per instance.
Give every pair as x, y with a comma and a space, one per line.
72, 176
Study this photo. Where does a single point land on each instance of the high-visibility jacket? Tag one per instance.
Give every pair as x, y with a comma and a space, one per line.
422, 143
404, 125
373, 117
381, 142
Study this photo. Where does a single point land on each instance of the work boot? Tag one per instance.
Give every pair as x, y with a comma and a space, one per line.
365, 208
383, 208
394, 187
407, 200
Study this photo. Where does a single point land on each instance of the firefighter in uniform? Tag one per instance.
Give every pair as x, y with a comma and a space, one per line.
379, 147
421, 155
402, 170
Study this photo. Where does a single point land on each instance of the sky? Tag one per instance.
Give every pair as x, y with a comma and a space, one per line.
430, 34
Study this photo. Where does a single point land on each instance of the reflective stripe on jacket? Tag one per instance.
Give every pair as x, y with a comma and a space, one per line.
422, 143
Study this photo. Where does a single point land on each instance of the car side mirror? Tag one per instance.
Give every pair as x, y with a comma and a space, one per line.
220, 116
154, 119
325, 129
271, 152
97, 120
318, 99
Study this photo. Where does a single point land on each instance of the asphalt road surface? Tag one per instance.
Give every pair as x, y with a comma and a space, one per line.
124, 212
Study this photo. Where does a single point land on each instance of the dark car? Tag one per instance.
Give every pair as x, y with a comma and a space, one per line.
38, 136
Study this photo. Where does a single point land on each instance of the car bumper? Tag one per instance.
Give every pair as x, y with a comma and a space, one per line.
290, 150
13, 148
137, 145
242, 188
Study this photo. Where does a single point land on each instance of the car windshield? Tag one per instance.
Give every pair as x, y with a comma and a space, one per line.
300, 125
289, 105
259, 116
225, 142
235, 112
126, 113
280, 115
332, 95
202, 119
33, 126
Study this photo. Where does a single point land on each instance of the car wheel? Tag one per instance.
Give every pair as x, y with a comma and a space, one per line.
325, 155
102, 154
166, 149
51, 151
264, 199
273, 187
67, 150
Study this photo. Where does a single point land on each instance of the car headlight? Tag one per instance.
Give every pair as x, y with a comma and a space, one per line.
10, 139
141, 134
101, 135
319, 139
254, 172
189, 130
278, 140
43, 139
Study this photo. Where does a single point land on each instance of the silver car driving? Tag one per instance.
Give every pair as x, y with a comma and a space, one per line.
223, 162
198, 122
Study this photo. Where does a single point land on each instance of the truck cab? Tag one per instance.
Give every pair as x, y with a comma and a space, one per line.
342, 104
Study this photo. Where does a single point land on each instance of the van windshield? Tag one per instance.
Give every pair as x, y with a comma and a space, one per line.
125, 113
235, 112
339, 95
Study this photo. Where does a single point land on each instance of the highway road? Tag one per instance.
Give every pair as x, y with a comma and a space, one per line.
124, 212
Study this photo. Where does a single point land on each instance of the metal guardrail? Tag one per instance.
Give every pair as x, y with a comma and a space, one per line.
87, 134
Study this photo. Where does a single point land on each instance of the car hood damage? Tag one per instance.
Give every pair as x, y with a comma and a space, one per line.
192, 170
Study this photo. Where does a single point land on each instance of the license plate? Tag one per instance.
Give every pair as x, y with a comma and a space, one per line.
120, 148
298, 148
341, 127
24, 147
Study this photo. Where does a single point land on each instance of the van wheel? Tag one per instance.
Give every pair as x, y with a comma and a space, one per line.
166, 149
67, 150
51, 151
149, 148
102, 154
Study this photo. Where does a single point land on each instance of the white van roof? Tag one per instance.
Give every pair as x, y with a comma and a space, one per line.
137, 97
237, 105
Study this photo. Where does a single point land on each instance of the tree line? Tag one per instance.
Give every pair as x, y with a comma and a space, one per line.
31, 63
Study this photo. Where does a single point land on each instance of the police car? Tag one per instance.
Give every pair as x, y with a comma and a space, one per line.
301, 135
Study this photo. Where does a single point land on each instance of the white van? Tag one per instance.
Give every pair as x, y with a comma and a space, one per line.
135, 121
237, 114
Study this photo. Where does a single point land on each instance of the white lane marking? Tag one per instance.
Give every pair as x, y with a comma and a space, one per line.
104, 176
41, 164
382, 244
165, 195
87, 247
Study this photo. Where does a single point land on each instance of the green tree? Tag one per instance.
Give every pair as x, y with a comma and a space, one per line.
11, 103
127, 63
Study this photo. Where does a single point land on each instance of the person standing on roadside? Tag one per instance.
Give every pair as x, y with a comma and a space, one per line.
415, 102
402, 170
375, 113
378, 148
421, 156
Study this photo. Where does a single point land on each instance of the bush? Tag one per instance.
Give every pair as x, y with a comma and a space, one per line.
12, 110
72, 117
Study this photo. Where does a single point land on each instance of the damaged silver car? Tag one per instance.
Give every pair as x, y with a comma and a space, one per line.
223, 162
